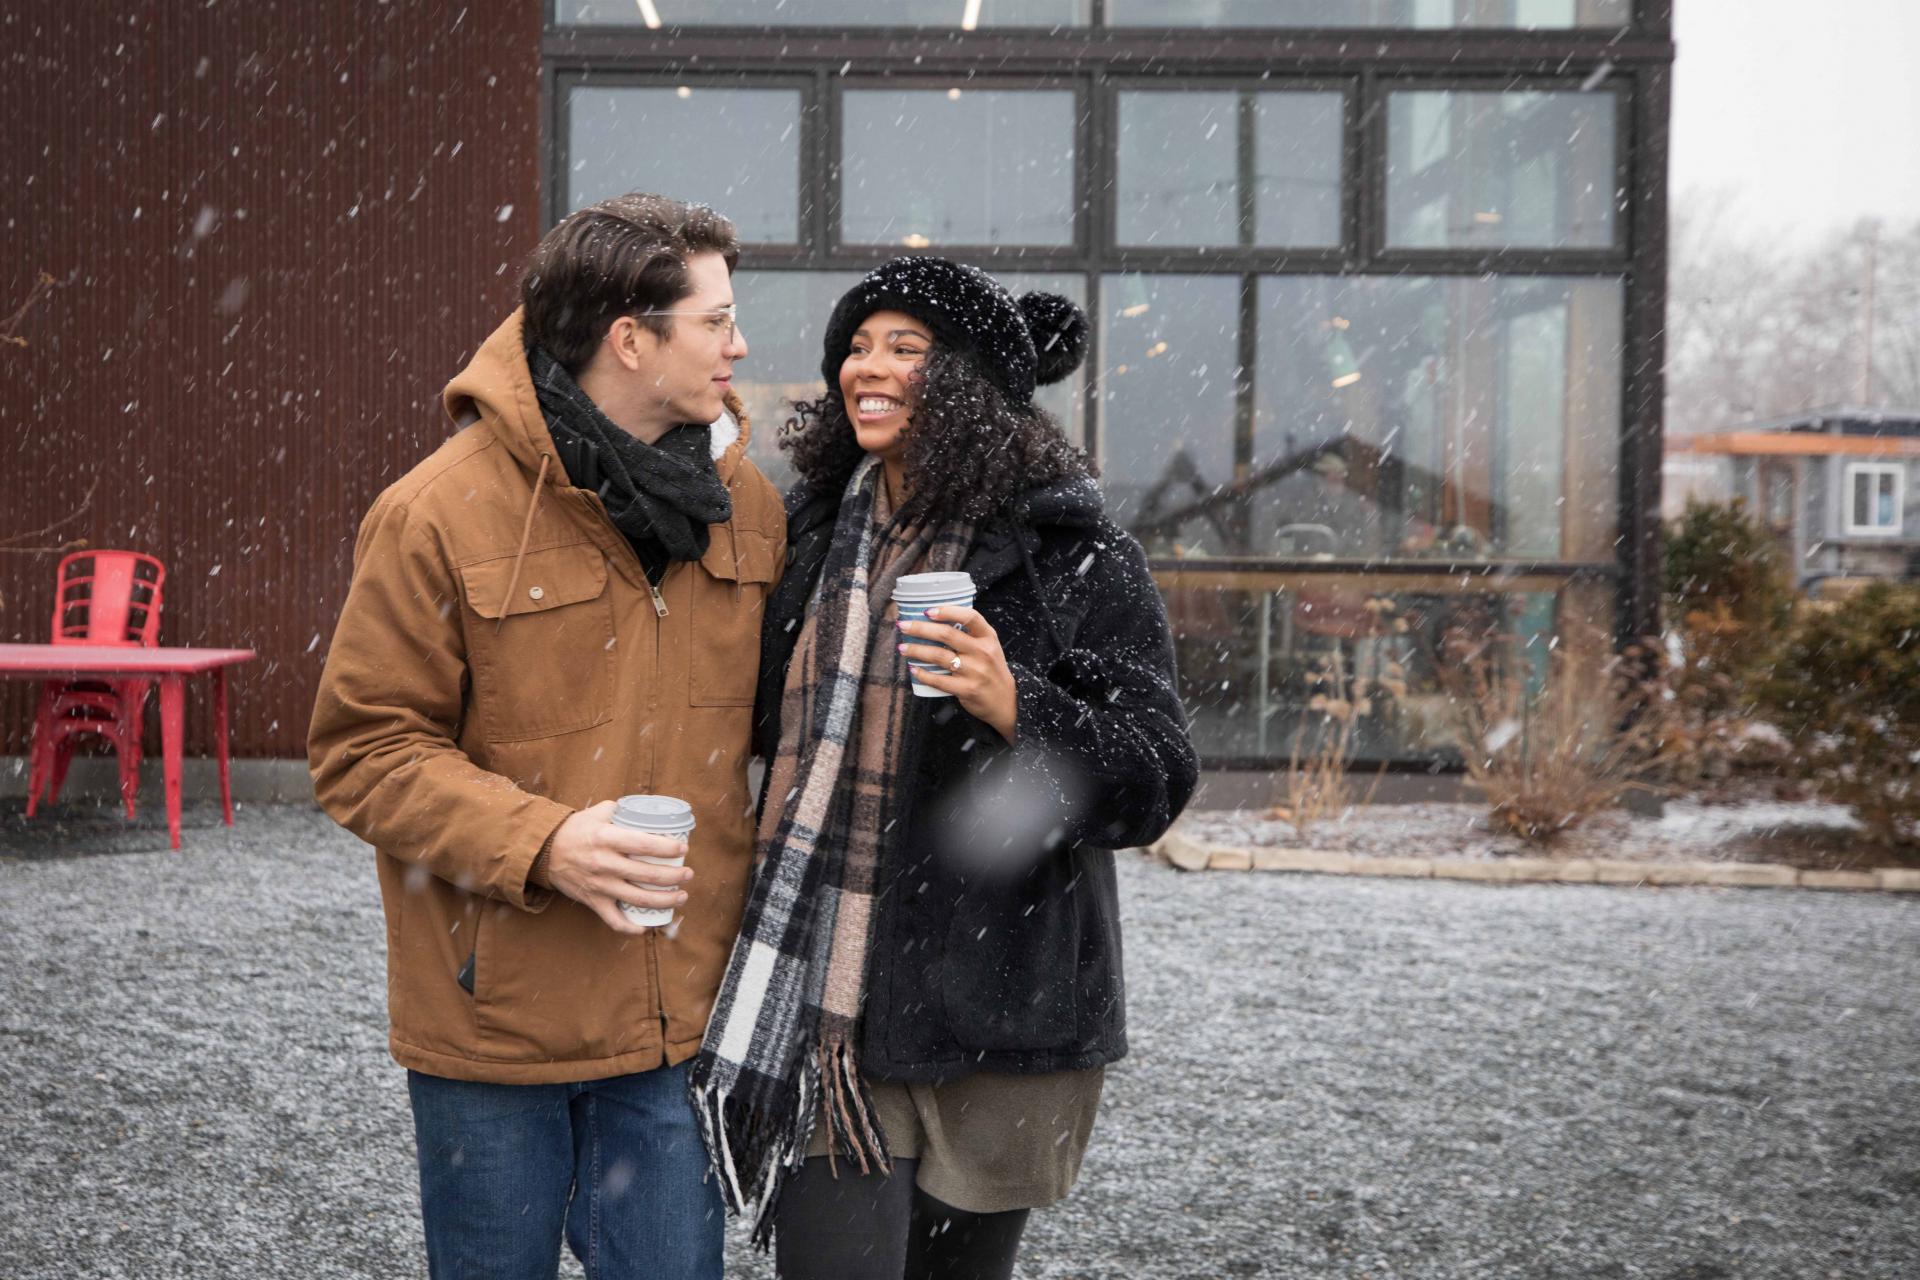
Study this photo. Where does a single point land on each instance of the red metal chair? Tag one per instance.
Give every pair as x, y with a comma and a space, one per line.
100, 598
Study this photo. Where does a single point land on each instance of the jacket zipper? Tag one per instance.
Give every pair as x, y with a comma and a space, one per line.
660, 611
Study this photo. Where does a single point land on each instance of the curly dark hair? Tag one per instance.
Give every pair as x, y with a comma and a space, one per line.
983, 448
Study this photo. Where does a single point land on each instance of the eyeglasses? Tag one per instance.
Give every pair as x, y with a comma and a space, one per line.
729, 313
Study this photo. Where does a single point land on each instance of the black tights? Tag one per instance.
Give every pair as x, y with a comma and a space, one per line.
878, 1227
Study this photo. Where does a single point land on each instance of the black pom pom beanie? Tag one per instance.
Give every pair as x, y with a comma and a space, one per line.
1033, 342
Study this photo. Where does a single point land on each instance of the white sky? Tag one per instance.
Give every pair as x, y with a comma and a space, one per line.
1806, 113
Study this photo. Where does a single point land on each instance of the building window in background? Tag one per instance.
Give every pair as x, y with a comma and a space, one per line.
1371, 335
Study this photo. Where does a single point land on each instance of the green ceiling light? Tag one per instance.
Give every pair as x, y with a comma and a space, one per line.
1341, 365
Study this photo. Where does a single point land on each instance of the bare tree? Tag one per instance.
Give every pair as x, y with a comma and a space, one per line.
1761, 329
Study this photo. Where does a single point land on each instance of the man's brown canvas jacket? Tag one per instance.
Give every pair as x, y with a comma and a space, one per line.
488, 678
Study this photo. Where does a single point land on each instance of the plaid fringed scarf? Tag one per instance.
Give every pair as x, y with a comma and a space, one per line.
785, 1026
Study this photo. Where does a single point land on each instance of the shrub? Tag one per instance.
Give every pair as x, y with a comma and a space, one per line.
1729, 605
1846, 692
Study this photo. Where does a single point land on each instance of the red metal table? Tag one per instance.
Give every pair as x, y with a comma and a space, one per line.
169, 667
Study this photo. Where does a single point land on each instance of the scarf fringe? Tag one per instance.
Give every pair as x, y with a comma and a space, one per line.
754, 1146
851, 1123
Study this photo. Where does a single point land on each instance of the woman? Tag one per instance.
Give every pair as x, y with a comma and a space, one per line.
930, 960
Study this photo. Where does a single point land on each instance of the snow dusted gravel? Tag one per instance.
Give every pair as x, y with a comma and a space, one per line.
1330, 1077
1686, 831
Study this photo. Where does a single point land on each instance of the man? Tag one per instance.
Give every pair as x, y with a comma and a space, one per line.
560, 606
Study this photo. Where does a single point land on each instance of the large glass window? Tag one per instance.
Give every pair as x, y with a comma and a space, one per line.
1459, 418
1369, 13
1257, 648
957, 166
735, 149
952, 14
1169, 367
1500, 170
1363, 330
1179, 169
1296, 168
1184, 169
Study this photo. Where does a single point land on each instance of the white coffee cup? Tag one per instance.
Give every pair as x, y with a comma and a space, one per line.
657, 816
913, 595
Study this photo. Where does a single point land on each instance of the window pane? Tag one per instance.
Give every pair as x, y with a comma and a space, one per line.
1296, 153
1066, 400
784, 315
1179, 178
1255, 650
1169, 355
837, 13
1180, 168
1427, 418
953, 166
1369, 13
1500, 170
735, 149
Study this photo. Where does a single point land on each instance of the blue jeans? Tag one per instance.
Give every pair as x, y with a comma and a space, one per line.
617, 1166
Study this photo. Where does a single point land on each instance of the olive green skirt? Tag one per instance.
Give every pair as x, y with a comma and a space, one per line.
989, 1143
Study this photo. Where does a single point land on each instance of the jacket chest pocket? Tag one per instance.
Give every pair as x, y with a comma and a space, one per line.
730, 586
542, 657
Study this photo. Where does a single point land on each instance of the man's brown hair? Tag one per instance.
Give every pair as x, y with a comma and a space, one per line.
617, 258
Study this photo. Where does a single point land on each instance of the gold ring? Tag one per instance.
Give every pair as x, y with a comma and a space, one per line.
955, 664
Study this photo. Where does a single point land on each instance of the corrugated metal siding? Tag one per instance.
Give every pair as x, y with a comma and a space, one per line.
279, 228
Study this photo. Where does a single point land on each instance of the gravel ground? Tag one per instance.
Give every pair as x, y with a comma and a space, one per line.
1802, 832
1331, 1077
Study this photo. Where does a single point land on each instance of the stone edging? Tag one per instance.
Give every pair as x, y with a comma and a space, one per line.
1191, 855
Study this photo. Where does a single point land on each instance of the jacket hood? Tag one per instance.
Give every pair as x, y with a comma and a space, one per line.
1072, 501
496, 387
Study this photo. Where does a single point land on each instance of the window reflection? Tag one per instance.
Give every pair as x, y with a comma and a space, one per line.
1369, 13
1457, 419
1169, 358
1255, 651
1179, 181
1500, 170
961, 166
783, 315
952, 14
1180, 169
736, 149
1296, 153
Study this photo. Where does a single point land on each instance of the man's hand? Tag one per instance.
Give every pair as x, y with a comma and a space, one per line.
593, 862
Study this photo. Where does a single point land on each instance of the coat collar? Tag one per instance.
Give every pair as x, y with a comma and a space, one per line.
1070, 503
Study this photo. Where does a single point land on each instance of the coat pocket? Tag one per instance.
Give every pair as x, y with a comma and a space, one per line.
1008, 979
729, 597
542, 659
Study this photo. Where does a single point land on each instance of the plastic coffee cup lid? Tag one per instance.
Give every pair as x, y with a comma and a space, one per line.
663, 815
934, 586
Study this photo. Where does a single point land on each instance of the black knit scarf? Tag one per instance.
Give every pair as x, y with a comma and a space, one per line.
661, 496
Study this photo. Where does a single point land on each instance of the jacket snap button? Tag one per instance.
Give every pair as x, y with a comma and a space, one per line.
535, 592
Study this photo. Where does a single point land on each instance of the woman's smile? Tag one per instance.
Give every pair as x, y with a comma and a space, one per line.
873, 406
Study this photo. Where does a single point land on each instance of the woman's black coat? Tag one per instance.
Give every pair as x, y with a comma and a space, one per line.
996, 943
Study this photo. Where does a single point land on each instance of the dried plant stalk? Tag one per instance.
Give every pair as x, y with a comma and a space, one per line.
1319, 781
1550, 758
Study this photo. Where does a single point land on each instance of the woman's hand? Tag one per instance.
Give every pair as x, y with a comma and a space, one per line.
982, 682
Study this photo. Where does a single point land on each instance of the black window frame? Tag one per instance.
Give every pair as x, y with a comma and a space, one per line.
1633, 64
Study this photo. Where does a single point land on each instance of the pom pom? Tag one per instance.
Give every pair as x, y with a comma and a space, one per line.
1060, 331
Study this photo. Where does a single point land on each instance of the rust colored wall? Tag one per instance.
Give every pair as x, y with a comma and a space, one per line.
278, 226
